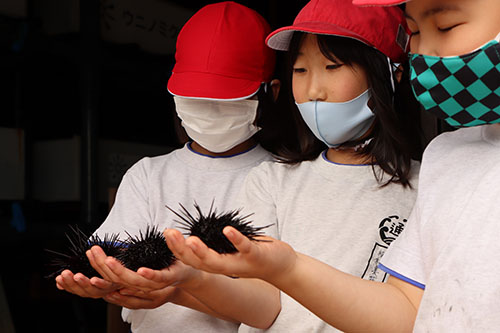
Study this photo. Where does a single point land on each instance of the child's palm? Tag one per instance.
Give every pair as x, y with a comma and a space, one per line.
266, 258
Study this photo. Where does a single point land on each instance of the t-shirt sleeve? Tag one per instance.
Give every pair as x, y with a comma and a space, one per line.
130, 212
404, 258
256, 199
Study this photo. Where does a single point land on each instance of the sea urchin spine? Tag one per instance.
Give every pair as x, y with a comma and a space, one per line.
209, 227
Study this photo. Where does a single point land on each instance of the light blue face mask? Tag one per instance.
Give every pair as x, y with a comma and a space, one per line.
338, 123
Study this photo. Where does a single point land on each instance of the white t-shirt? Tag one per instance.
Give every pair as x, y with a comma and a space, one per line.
335, 213
452, 244
182, 176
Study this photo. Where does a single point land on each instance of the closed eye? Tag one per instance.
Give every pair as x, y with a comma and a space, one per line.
299, 70
448, 28
333, 66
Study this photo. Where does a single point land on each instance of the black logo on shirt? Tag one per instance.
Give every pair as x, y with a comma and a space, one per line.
389, 229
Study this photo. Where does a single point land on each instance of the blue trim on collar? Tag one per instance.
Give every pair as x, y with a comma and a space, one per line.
401, 277
119, 243
229, 156
326, 159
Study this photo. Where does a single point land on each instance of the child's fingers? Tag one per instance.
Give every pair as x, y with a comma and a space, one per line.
193, 252
130, 302
137, 300
175, 241
64, 280
210, 260
81, 285
98, 259
197, 246
81, 280
102, 284
158, 278
240, 242
77, 284
177, 244
148, 273
172, 234
129, 278
123, 275
68, 282
88, 289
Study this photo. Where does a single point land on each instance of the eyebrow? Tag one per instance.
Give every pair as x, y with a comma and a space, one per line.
435, 10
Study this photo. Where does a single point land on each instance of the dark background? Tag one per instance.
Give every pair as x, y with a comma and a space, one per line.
73, 87
77, 108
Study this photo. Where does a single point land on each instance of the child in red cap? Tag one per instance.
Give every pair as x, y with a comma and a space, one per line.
444, 267
346, 195
221, 84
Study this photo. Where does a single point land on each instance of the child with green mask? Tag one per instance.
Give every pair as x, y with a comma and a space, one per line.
444, 267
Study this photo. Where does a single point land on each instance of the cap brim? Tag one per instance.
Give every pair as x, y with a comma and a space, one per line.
378, 2
280, 38
211, 86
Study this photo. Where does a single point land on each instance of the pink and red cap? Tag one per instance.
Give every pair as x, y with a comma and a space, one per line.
221, 54
383, 28
378, 2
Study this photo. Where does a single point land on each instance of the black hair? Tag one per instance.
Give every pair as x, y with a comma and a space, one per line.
396, 130
276, 129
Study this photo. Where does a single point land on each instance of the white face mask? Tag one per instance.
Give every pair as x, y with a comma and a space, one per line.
217, 126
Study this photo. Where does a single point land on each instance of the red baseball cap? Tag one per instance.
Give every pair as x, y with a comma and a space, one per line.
221, 54
383, 28
378, 2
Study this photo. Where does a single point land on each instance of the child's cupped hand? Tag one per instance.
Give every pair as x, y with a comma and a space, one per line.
267, 258
83, 286
137, 299
145, 279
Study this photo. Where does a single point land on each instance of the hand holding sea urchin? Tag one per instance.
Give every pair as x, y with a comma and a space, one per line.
209, 227
76, 260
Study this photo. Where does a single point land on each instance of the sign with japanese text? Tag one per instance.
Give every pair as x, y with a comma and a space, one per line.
152, 24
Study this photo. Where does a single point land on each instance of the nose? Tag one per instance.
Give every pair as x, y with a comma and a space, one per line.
316, 90
424, 46
427, 50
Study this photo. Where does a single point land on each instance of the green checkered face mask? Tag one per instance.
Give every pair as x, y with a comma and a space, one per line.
463, 90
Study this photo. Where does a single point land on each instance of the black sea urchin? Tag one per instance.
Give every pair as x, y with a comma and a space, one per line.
209, 227
147, 250
76, 260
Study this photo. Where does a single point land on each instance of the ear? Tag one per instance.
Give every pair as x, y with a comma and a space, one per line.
275, 88
398, 73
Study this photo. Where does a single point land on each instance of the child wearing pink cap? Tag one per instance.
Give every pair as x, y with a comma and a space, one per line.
222, 86
444, 267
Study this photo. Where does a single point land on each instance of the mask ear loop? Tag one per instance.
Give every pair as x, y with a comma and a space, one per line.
391, 74
497, 38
